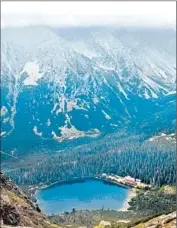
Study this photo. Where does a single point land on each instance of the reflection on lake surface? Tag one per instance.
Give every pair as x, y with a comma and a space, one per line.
89, 194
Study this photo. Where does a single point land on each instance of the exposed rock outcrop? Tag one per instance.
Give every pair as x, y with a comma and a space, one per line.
163, 221
17, 210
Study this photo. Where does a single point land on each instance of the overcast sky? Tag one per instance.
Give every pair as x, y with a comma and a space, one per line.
88, 13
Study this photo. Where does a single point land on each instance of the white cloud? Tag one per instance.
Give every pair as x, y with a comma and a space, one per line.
88, 13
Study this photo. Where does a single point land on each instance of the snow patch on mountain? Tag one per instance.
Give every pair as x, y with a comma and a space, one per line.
35, 130
106, 115
48, 123
171, 93
95, 100
83, 49
146, 95
65, 105
32, 68
2, 133
122, 91
4, 111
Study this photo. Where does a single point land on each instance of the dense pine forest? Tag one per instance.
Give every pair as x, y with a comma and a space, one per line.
152, 162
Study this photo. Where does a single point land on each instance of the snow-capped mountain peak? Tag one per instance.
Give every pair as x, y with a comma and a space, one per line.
70, 77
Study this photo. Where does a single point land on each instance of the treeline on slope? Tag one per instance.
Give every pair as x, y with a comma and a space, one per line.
154, 163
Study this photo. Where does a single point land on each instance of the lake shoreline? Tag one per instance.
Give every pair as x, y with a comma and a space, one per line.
78, 180
126, 205
123, 207
34, 189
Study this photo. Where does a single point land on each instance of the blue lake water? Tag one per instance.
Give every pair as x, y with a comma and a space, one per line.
90, 194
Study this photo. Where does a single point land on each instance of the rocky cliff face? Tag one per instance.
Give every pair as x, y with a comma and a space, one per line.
17, 210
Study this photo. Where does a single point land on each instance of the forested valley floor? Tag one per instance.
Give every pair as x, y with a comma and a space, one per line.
154, 162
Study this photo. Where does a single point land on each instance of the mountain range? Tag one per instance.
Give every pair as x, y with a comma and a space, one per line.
67, 83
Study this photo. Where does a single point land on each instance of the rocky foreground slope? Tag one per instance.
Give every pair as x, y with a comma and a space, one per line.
163, 221
17, 210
